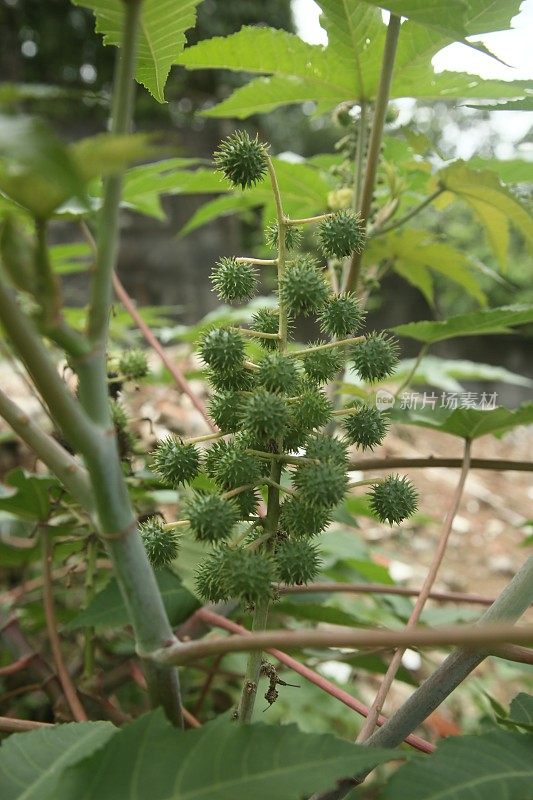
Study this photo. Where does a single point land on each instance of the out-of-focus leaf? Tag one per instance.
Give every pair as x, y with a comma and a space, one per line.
445, 373
524, 104
219, 207
69, 258
467, 423
492, 320
107, 154
521, 711
29, 496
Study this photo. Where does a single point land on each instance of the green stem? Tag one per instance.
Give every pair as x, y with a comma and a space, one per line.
412, 372
256, 334
360, 156
416, 210
307, 220
253, 668
260, 262
380, 110
327, 346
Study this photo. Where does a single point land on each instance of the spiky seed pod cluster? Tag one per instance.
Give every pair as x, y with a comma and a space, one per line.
326, 448
234, 281
176, 462
121, 422
321, 366
237, 380
242, 160
266, 320
297, 561
133, 364
161, 545
236, 572
211, 575
224, 410
303, 289
341, 316
393, 499
300, 519
211, 517
313, 408
341, 234
236, 468
322, 484
223, 350
265, 415
293, 237
366, 427
278, 373
376, 357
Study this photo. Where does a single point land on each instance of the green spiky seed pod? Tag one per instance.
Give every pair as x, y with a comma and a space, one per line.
293, 237
376, 357
211, 517
236, 468
133, 364
366, 428
242, 160
234, 380
176, 462
224, 410
322, 485
277, 373
341, 234
247, 503
341, 316
125, 438
211, 576
266, 320
212, 457
234, 281
393, 499
265, 415
303, 289
326, 448
161, 546
223, 350
297, 561
250, 575
322, 365
313, 408
298, 518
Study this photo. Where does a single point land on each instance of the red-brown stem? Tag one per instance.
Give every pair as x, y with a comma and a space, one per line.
16, 666
498, 465
211, 673
425, 591
176, 373
215, 620
137, 676
11, 725
78, 712
383, 588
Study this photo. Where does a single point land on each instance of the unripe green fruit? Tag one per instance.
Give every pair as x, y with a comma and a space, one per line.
161, 546
247, 503
297, 561
211, 576
234, 281
266, 320
265, 415
176, 462
303, 289
224, 409
236, 468
233, 380
211, 517
366, 428
277, 373
133, 364
223, 350
393, 499
326, 448
125, 438
312, 409
212, 457
293, 237
322, 365
322, 485
250, 575
342, 316
299, 518
242, 160
376, 357
341, 234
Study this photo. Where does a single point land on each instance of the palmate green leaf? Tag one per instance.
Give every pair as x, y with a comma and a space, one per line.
521, 711
107, 154
498, 765
416, 254
29, 496
223, 206
446, 373
524, 104
485, 193
467, 423
161, 36
220, 761
512, 170
107, 609
31, 764
492, 320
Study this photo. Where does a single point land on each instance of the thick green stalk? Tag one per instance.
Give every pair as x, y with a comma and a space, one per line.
374, 145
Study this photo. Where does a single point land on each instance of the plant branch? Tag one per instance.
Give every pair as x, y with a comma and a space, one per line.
499, 465
326, 346
383, 588
71, 696
360, 156
10, 725
410, 214
374, 145
260, 262
216, 620
412, 372
307, 220
423, 596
